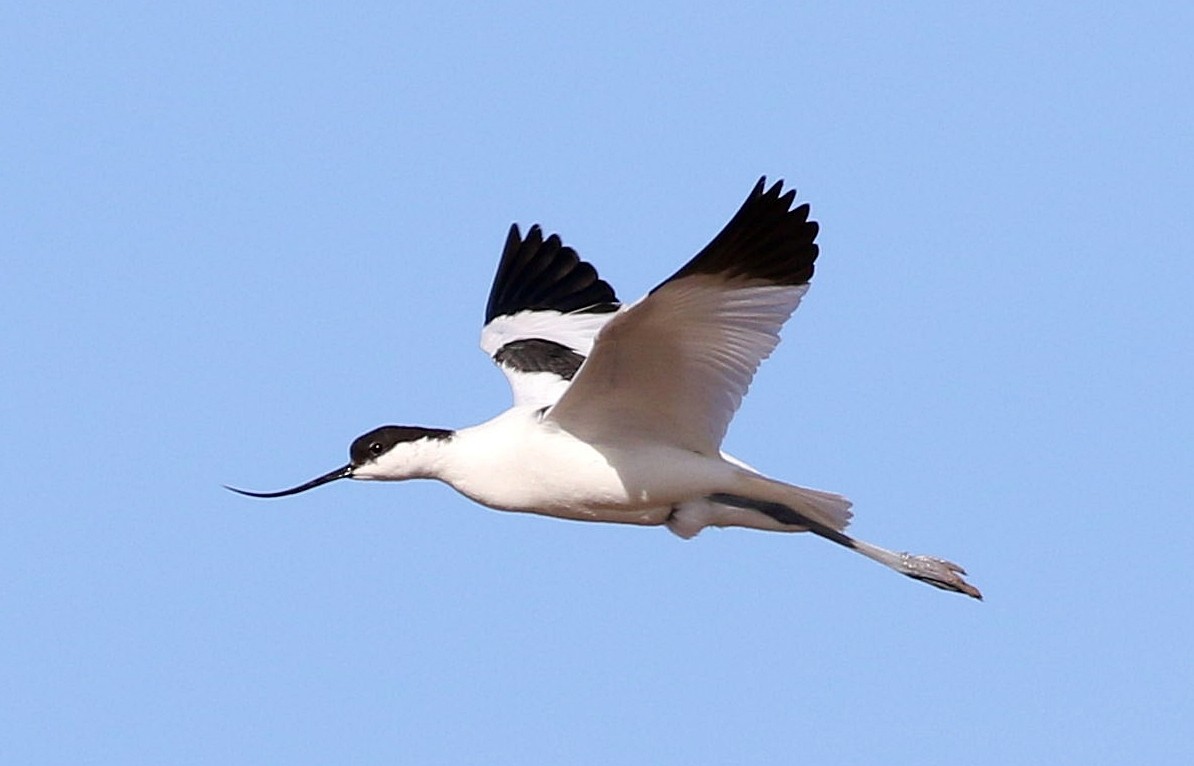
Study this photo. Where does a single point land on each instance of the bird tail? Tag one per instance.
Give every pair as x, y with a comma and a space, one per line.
761, 503
789, 504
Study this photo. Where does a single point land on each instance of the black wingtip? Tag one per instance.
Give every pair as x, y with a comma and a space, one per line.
513, 238
542, 274
766, 239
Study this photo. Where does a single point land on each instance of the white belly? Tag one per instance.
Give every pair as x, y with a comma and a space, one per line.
517, 463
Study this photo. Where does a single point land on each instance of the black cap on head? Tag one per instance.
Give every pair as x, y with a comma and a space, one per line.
381, 440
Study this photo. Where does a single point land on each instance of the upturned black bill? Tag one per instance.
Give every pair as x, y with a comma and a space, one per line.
339, 473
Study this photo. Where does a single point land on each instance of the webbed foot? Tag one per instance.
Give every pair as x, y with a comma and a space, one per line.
939, 573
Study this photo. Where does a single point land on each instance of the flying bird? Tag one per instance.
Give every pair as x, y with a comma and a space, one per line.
620, 410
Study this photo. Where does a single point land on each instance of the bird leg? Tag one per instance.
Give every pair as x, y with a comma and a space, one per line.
939, 573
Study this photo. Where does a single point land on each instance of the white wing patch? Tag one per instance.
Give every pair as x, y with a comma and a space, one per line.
568, 336
575, 330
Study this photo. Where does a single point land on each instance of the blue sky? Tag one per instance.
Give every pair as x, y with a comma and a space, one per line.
236, 236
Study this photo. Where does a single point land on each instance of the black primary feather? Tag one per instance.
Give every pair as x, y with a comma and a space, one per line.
766, 239
537, 274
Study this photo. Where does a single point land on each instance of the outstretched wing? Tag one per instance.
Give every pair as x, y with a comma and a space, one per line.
545, 307
674, 366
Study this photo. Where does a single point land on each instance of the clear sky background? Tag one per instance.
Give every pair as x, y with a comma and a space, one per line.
237, 235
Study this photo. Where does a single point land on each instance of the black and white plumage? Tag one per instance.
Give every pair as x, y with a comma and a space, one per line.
619, 411
544, 310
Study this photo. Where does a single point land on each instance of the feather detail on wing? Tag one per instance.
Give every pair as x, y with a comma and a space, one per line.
674, 366
544, 309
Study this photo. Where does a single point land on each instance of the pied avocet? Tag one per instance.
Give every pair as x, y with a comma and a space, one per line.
619, 411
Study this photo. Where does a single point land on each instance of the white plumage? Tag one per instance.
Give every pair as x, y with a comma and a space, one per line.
674, 366
575, 331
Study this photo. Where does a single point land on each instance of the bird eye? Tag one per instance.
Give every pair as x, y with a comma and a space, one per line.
375, 448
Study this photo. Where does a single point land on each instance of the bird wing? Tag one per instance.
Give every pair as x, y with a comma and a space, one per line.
544, 309
674, 366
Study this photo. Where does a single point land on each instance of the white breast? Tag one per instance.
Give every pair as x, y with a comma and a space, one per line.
518, 462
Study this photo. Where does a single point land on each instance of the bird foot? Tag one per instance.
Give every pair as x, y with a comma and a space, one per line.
939, 573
